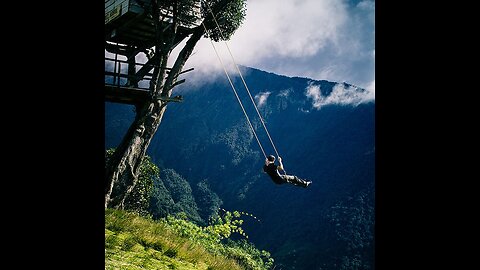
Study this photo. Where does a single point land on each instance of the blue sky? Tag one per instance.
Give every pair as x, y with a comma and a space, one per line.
320, 39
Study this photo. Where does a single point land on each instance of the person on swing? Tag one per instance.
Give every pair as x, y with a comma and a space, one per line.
273, 171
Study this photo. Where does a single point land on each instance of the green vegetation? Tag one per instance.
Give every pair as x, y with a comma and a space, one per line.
136, 242
229, 19
139, 199
208, 201
354, 225
161, 228
178, 193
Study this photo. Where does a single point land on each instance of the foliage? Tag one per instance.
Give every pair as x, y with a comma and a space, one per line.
183, 10
143, 243
172, 194
237, 140
216, 238
353, 221
248, 255
229, 19
208, 201
139, 199
161, 202
226, 223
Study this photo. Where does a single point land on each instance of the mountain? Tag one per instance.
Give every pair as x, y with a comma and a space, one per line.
324, 131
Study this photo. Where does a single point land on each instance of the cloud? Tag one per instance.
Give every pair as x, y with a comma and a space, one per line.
367, 6
319, 39
330, 40
313, 92
284, 93
261, 98
371, 91
340, 95
290, 29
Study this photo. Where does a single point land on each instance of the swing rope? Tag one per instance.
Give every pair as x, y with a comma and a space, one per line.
243, 80
236, 95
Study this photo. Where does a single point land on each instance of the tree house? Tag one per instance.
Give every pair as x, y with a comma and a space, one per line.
129, 30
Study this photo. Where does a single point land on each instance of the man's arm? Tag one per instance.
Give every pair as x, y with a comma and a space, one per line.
265, 165
281, 164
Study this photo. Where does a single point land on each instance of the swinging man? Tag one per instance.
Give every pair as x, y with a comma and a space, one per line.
272, 170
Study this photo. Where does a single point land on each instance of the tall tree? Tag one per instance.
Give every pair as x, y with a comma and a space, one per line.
123, 166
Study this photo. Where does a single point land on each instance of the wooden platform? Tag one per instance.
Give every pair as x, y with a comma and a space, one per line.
128, 23
126, 95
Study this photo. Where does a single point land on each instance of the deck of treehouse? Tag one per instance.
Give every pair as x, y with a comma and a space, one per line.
129, 30
126, 95
121, 87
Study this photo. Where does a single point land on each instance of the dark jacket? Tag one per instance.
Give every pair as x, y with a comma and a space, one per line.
272, 171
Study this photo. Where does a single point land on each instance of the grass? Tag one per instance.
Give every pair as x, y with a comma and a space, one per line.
135, 242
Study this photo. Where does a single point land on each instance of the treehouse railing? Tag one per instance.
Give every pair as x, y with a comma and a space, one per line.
116, 73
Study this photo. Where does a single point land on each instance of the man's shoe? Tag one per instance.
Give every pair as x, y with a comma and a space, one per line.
308, 183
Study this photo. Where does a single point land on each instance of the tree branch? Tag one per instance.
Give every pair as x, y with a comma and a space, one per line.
185, 53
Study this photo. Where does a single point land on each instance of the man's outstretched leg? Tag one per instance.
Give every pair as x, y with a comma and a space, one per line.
296, 181
301, 182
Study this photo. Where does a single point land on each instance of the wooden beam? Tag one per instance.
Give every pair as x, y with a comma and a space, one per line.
185, 71
116, 49
177, 83
145, 69
126, 95
171, 99
121, 75
138, 64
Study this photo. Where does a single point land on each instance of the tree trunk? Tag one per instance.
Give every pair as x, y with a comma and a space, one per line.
124, 164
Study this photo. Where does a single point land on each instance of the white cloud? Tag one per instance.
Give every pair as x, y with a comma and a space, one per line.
261, 98
371, 91
319, 39
313, 92
291, 30
340, 95
284, 93
208, 67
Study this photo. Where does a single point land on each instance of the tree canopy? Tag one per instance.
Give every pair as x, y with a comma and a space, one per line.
229, 19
